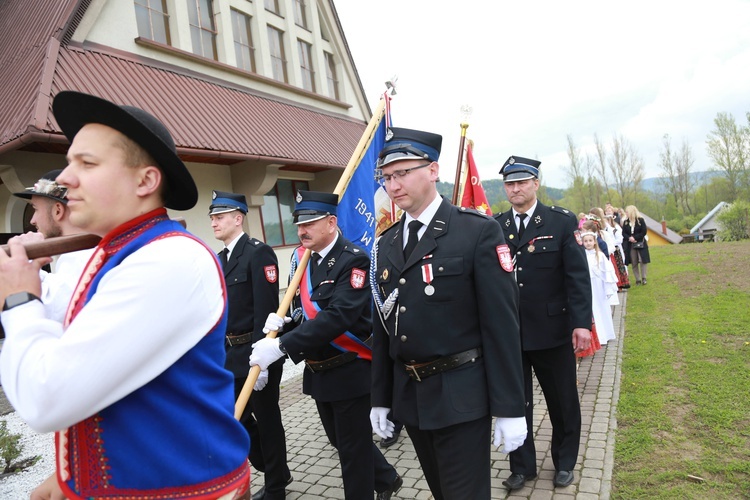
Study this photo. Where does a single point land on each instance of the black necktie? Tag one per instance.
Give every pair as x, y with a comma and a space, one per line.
223, 258
411, 243
314, 258
521, 225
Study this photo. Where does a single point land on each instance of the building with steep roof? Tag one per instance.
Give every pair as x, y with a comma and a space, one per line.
262, 96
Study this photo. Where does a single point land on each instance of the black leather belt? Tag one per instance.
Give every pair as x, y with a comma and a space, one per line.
418, 371
327, 364
244, 338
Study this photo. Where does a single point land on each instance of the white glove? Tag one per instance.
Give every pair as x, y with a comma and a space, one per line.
380, 423
275, 323
265, 352
262, 381
512, 431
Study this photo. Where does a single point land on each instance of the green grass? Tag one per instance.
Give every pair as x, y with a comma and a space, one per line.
684, 407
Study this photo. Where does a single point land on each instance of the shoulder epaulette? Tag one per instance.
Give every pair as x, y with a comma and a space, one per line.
472, 211
562, 210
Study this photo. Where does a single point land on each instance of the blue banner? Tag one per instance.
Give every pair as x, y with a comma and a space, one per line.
357, 212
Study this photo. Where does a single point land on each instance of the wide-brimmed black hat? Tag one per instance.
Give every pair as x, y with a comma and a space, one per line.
73, 110
47, 187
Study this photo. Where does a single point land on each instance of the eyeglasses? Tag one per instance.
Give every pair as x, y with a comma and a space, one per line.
383, 179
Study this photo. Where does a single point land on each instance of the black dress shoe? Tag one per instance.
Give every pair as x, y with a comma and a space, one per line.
516, 481
386, 442
563, 478
262, 491
393, 488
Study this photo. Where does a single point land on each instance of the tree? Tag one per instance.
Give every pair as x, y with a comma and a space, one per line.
676, 173
727, 148
686, 181
626, 166
601, 164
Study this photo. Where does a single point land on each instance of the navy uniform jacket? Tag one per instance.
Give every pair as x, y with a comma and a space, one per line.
552, 274
345, 305
252, 278
475, 304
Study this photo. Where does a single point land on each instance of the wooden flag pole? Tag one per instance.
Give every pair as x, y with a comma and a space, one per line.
65, 244
459, 165
364, 142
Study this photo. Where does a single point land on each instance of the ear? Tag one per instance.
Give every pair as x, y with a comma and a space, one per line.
58, 211
434, 171
149, 180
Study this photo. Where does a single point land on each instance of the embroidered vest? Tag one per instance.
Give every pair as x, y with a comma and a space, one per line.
176, 436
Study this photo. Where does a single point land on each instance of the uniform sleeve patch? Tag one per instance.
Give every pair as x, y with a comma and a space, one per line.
503, 255
271, 272
358, 278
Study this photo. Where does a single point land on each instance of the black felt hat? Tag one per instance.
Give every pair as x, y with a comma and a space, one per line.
73, 110
47, 187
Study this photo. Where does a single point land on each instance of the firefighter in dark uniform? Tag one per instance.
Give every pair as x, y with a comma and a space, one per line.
555, 310
332, 337
446, 351
251, 272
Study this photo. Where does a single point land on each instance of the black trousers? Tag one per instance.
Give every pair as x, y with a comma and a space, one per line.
455, 459
262, 420
555, 370
364, 469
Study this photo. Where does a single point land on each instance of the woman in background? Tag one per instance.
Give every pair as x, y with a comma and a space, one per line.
635, 243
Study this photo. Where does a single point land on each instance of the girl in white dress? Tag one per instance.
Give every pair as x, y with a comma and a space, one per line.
603, 288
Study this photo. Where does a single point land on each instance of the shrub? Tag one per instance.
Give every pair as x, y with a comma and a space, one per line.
734, 222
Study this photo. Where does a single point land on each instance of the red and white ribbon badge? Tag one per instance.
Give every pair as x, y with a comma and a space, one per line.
503, 255
427, 275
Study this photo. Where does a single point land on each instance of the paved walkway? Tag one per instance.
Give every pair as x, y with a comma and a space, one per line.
315, 467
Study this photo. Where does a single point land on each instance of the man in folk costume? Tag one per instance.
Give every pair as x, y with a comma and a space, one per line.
446, 352
133, 382
331, 334
251, 272
555, 311
52, 219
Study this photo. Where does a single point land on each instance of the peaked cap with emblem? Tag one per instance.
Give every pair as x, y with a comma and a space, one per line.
47, 187
518, 168
314, 205
408, 144
223, 202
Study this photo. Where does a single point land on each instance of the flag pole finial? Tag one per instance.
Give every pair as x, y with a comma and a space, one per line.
390, 85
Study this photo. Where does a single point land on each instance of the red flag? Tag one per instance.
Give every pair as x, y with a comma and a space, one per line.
474, 196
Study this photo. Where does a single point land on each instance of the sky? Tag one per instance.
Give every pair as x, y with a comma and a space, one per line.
534, 72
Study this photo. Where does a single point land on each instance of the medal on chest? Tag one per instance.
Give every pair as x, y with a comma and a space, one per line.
427, 277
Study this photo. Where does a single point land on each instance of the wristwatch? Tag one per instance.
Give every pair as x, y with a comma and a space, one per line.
17, 299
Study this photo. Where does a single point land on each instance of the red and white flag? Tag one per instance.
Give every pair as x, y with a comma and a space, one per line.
473, 196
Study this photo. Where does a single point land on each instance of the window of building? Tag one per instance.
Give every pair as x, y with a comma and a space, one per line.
278, 205
305, 63
278, 58
243, 41
202, 29
333, 81
153, 20
323, 29
300, 18
273, 6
